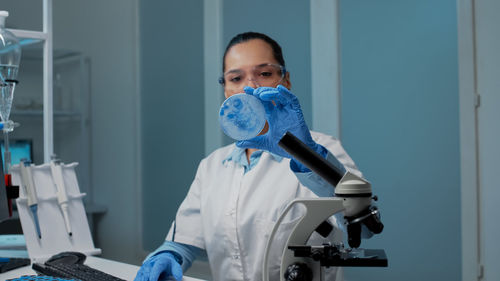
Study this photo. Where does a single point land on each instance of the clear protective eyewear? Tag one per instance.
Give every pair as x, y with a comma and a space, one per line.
263, 75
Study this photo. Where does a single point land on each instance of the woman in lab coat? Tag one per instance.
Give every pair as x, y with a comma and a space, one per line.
239, 190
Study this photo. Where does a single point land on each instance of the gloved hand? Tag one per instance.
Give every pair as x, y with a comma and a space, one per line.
283, 113
160, 267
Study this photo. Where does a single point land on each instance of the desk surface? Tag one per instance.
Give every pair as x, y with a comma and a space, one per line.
118, 269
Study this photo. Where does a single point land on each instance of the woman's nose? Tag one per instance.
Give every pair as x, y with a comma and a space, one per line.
251, 82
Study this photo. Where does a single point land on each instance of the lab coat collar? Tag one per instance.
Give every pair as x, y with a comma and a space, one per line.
238, 156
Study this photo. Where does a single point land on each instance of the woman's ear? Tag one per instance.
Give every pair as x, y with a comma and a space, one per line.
286, 81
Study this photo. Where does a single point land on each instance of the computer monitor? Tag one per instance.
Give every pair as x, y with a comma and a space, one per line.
19, 149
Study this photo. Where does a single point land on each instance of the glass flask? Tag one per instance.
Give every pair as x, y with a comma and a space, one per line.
10, 56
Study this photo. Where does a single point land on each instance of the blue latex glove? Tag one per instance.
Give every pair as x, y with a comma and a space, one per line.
283, 113
160, 267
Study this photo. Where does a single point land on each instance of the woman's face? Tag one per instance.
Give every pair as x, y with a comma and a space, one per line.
246, 62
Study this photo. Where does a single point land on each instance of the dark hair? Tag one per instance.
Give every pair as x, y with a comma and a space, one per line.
247, 36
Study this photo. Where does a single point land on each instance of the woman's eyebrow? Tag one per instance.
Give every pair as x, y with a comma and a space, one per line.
239, 70
263, 64
234, 71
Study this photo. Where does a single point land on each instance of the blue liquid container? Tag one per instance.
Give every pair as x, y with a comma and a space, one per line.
242, 116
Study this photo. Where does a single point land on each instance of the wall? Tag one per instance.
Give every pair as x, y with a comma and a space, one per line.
488, 133
172, 109
288, 23
106, 31
400, 124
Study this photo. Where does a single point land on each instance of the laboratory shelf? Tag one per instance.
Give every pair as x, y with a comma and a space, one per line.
35, 52
29, 34
28, 37
40, 113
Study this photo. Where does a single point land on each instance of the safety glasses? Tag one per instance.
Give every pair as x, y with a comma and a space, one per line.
263, 75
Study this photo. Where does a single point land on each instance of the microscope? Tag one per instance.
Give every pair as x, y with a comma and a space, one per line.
353, 197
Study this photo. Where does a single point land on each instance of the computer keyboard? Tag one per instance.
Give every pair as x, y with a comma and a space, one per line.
39, 278
70, 265
13, 263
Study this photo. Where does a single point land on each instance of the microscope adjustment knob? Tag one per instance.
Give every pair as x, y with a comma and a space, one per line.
316, 255
298, 272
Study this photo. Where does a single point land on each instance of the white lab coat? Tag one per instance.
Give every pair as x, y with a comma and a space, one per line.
230, 213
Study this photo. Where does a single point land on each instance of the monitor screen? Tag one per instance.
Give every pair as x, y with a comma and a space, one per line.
19, 149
